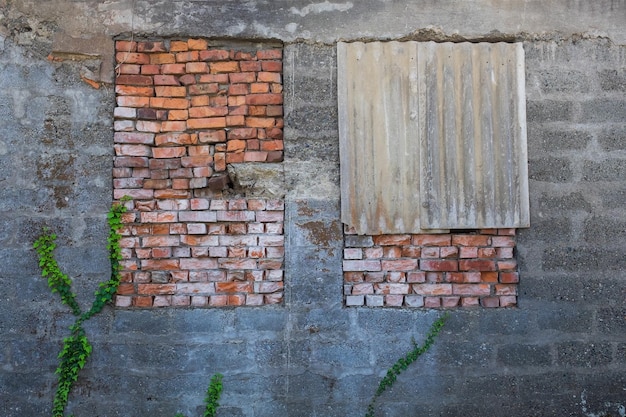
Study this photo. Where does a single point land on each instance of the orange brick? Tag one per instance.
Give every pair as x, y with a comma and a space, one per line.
178, 115
226, 287
158, 59
196, 161
470, 240
234, 158
187, 56
159, 264
224, 67
509, 277
132, 58
269, 77
213, 78
431, 240
276, 88
170, 91
235, 120
264, 99
173, 139
126, 46
238, 89
170, 152
206, 123
133, 101
207, 111
242, 77
149, 46
178, 46
196, 67
260, 122
173, 69
173, 126
169, 103
219, 161
197, 44
131, 90
489, 276
471, 289
196, 89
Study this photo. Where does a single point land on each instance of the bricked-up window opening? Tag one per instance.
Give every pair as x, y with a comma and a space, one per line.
432, 139
186, 110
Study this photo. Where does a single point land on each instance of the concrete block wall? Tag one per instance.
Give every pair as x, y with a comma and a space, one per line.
560, 352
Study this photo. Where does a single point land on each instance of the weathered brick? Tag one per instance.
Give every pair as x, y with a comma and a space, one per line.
432, 289
431, 240
439, 265
264, 99
471, 289
361, 265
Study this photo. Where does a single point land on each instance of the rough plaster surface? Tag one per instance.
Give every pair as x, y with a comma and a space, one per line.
560, 353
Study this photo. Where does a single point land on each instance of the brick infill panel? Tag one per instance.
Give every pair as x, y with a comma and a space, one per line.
184, 110
202, 252
452, 270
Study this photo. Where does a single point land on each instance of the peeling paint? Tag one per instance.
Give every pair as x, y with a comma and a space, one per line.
318, 8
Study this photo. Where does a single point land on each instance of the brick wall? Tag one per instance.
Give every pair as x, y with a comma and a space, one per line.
184, 111
431, 270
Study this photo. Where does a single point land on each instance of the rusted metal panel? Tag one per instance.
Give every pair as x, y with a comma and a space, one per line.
432, 136
472, 133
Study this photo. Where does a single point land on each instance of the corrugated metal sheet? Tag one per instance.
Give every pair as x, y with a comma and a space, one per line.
432, 136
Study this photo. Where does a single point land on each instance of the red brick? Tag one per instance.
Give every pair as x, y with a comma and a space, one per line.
507, 265
134, 90
142, 301
196, 67
264, 99
165, 80
471, 289
260, 122
196, 161
506, 289
233, 287
503, 241
353, 276
134, 138
126, 46
214, 55
431, 240
399, 265
242, 133
470, 302
269, 54
490, 302
269, 77
207, 111
477, 265
430, 252
129, 69
268, 287
487, 253
470, 240
167, 91
274, 110
213, 79
187, 56
214, 136
488, 276
432, 289
506, 232
159, 264
361, 265
391, 288
132, 58
234, 158
384, 240
439, 265
132, 101
173, 139
131, 161
178, 69
508, 301
173, 126
416, 277
509, 277
236, 100
171, 152
206, 123
272, 66
150, 69
259, 88
169, 103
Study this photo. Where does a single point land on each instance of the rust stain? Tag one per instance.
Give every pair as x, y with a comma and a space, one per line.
321, 233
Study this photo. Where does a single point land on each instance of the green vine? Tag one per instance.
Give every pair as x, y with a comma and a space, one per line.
213, 394
403, 363
76, 348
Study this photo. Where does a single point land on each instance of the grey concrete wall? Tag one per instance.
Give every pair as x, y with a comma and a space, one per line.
562, 352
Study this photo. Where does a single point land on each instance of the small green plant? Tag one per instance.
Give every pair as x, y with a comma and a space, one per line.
403, 363
76, 348
213, 394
